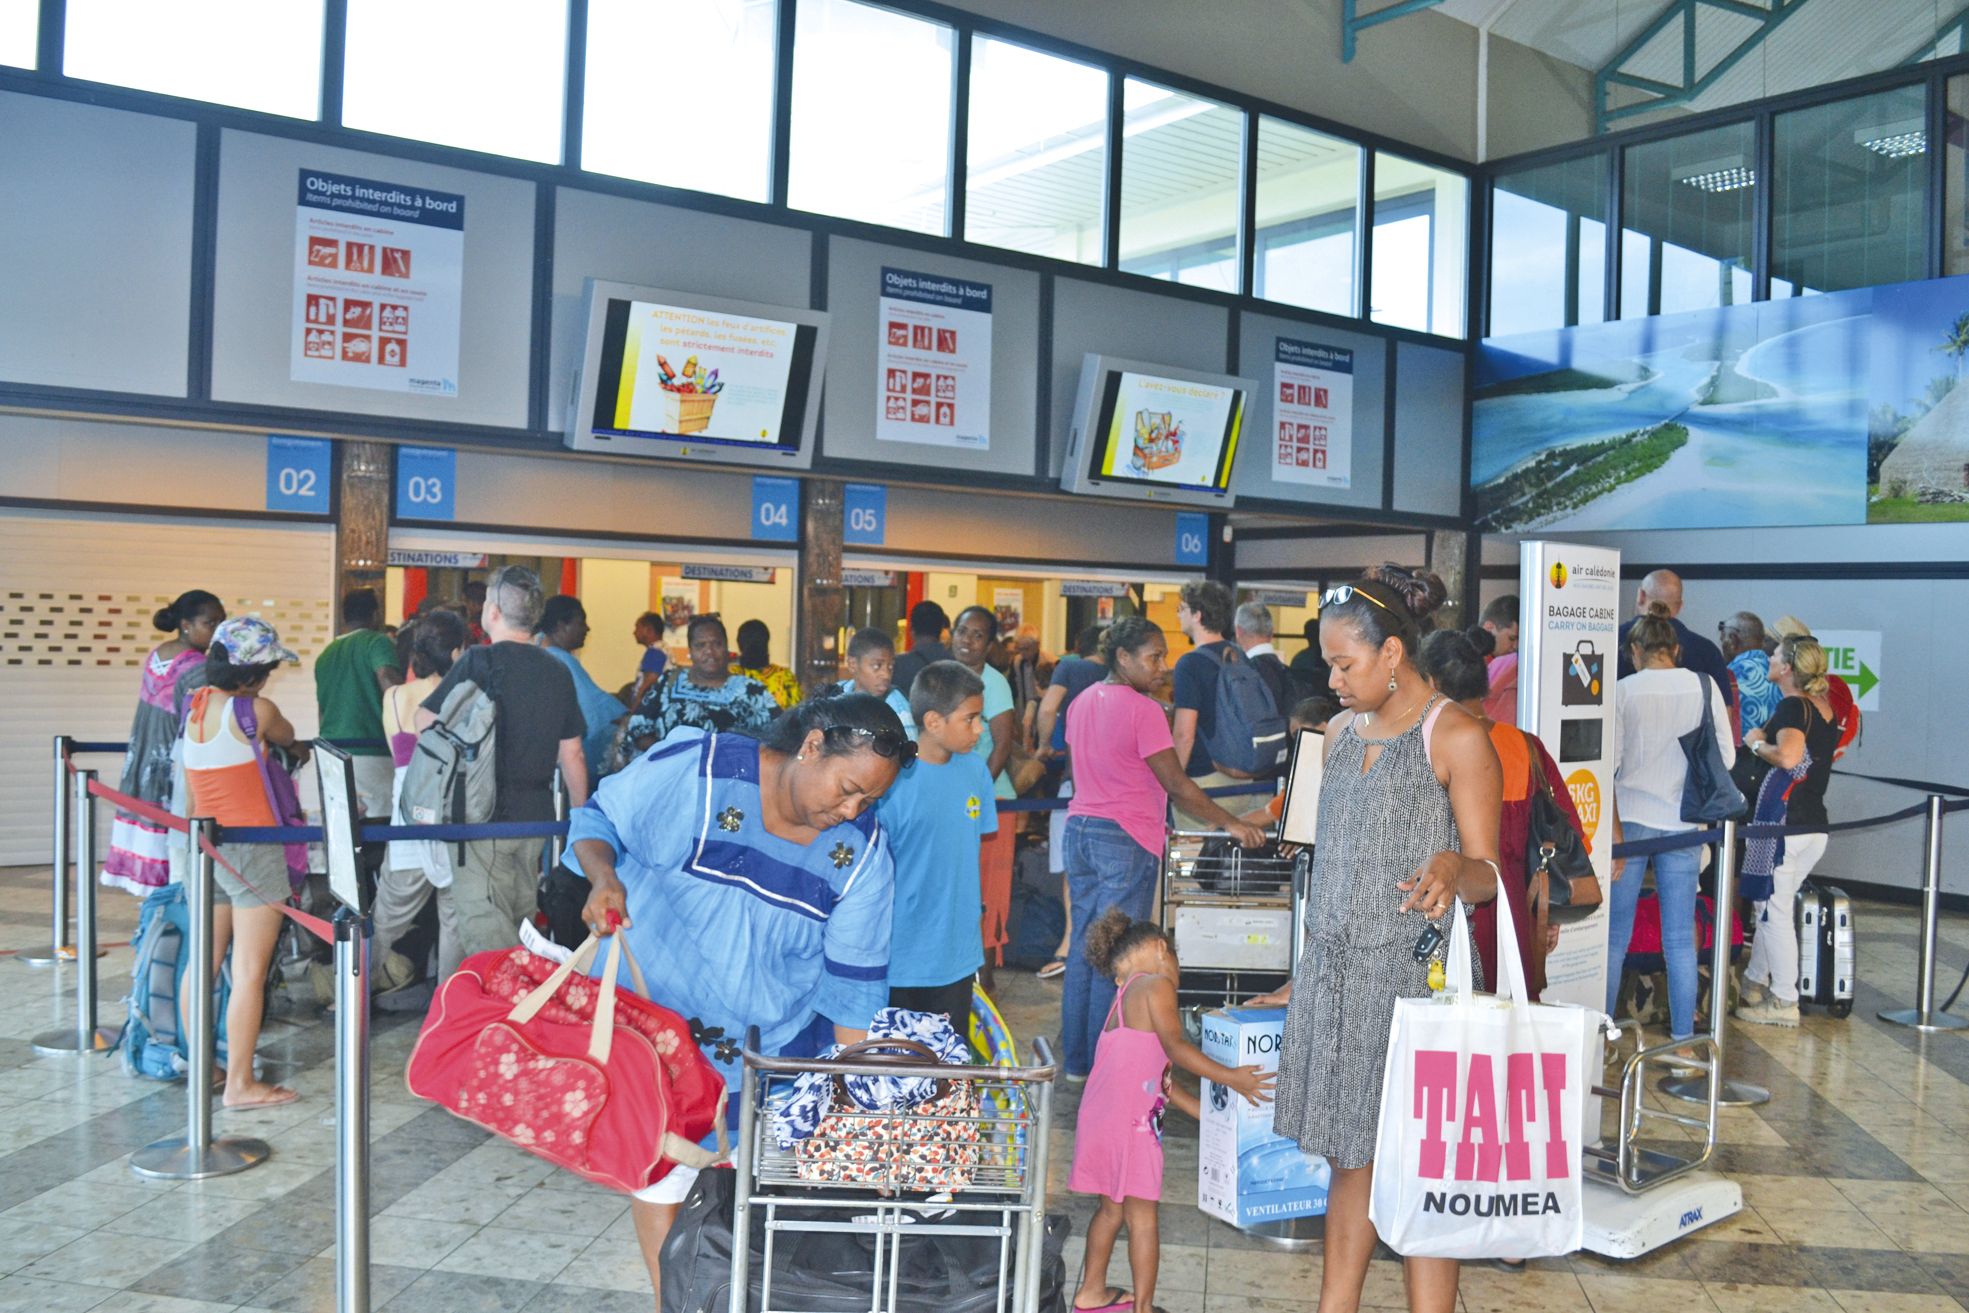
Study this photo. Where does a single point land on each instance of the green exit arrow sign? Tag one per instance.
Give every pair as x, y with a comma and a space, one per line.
1854, 656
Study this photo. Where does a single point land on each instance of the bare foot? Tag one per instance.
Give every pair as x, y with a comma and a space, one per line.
259, 1095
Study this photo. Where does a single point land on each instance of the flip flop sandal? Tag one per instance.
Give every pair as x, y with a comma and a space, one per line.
285, 1096
1053, 969
1124, 1302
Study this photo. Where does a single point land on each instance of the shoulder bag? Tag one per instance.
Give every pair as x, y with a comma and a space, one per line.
1557, 866
1709, 794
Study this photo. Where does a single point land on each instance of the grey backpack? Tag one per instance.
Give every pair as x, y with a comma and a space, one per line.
449, 780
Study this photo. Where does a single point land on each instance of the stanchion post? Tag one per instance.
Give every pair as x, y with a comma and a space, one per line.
557, 846
196, 1154
1923, 1015
1696, 1089
84, 1037
58, 938
352, 932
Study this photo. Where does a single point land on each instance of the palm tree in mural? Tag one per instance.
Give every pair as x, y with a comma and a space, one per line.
1955, 344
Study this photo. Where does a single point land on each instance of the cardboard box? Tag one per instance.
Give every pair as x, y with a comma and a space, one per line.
1246, 1173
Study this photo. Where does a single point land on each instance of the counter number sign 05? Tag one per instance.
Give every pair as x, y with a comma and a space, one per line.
426, 479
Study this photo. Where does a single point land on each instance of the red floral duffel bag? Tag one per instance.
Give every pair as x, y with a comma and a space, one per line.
596, 1080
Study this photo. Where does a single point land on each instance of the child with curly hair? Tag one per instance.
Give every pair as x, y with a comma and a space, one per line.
1118, 1144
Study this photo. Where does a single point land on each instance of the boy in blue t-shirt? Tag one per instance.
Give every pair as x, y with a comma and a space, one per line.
935, 815
871, 667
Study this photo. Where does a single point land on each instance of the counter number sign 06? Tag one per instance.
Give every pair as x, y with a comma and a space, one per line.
426, 478
1192, 538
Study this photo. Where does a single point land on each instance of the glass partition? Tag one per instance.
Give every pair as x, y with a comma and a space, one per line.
723, 91
20, 32
1180, 186
1686, 209
1309, 188
445, 71
1421, 240
872, 96
1548, 246
256, 54
1849, 199
1037, 155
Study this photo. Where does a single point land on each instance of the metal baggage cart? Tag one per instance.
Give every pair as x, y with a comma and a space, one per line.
1234, 916
1005, 1197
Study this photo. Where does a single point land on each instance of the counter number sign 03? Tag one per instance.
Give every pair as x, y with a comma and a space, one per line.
775, 509
426, 483
1192, 538
298, 474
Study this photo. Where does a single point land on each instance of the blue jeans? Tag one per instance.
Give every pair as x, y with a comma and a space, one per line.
1675, 891
1105, 868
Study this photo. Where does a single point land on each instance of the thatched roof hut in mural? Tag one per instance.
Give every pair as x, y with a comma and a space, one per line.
1933, 456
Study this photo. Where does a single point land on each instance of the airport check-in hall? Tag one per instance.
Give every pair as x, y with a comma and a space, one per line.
782, 656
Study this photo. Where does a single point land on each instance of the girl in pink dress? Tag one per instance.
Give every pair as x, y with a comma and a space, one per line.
1117, 1151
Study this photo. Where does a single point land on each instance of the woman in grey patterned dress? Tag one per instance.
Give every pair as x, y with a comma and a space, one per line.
1407, 822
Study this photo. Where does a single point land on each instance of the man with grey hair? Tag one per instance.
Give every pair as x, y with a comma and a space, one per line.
1743, 648
1252, 628
1663, 588
539, 726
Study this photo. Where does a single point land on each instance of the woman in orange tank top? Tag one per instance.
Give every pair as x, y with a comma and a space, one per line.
224, 776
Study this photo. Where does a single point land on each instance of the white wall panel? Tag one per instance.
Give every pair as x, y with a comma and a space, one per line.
252, 348
1258, 337
95, 247
1428, 429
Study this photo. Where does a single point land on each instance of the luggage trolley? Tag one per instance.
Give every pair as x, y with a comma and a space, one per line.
1004, 1196
1233, 915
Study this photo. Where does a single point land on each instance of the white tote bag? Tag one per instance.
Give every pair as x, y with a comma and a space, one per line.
1481, 1105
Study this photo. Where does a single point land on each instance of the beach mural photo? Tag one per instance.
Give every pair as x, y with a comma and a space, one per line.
1834, 409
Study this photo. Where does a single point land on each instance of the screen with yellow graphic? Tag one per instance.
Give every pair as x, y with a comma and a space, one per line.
1167, 431
679, 372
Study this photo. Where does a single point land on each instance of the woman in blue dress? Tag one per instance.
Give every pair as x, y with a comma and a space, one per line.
753, 883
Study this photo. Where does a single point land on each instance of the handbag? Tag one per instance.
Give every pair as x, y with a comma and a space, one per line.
931, 1145
1477, 1152
1708, 793
1559, 870
591, 1078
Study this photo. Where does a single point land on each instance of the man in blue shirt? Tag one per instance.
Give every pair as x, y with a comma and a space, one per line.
1698, 653
936, 816
1743, 648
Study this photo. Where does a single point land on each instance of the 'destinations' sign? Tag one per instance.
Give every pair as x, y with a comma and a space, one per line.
933, 360
1313, 414
377, 269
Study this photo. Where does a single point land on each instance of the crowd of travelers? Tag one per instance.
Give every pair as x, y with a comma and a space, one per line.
761, 849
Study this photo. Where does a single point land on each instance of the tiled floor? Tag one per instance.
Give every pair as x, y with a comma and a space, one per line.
1856, 1178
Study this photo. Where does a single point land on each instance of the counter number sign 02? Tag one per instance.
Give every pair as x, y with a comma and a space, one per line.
426, 483
775, 509
298, 474
1192, 538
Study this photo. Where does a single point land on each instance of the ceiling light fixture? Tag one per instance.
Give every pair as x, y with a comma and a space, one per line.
1731, 177
1894, 141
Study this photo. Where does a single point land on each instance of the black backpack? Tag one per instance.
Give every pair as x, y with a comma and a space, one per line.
1247, 735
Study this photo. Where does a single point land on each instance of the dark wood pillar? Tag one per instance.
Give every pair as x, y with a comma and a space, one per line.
823, 602
1454, 555
362, 516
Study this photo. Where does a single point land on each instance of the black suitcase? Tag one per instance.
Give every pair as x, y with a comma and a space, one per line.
1825, 948
832, 1271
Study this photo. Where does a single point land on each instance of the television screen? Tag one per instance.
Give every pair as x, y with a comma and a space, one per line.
1154, 433
670, 374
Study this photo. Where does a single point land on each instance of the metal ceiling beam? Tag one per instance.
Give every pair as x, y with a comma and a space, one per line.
1957, 27
1768, 16
1353, 22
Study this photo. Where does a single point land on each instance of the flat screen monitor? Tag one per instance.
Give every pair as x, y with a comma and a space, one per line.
1154, 432
683, 376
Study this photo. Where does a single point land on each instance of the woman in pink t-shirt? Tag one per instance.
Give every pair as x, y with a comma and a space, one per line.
1124, 774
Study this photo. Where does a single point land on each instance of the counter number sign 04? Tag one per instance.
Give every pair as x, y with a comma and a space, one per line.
775, 509
298, 474
426, 480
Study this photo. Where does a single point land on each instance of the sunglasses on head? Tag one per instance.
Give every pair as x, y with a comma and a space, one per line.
1346, 593
882, 743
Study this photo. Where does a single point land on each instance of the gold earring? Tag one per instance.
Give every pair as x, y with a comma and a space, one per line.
1391, 684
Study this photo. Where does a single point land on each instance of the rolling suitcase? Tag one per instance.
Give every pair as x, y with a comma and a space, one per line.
1825, 948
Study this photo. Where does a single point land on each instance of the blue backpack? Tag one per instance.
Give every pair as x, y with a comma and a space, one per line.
152, 1043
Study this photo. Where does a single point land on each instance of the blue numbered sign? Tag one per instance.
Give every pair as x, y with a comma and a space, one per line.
865, 511
297, 474
1192, 538
425, 483
775, 509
